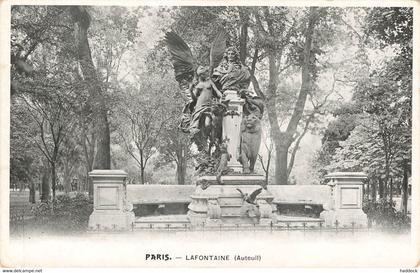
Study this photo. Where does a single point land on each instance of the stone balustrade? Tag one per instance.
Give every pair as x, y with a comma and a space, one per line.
341, 199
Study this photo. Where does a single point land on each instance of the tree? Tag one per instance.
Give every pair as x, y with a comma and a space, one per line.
51, 112
97, 102
274, 29
40, 39
266, 166
143, 116
394, 26
337, 130
69, 159
112, 34
32, 26
379, 141
175, 147
25, 162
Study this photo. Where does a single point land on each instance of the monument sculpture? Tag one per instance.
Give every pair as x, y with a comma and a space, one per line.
249, 142
223, 120
230, 74
250, 198
249, 208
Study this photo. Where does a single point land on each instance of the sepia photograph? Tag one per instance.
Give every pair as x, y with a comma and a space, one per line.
243, 135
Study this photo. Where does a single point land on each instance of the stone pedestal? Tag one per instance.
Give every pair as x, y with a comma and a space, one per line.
223, 204
111, 211
232, 127
345, 207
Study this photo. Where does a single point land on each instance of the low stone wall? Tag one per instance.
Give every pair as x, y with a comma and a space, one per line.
283, 194
300, 194
159, 194
340, 200
159, 199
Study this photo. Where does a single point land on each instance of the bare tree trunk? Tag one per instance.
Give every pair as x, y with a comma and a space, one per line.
181, 164
381, 188
281, 173
90, 185
82, 22
142, 175
180, 172
103, 154
142, 166
405, 188
67, 180
276, 134
268, 166
89, 157
53, 180
386, 184
243, 39
39, 187
374, 190
390, 189
283, 140
31, 192
367, 194
45, 185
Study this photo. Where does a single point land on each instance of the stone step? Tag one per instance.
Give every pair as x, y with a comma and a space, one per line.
242, 226
162, 219
231, 215
226, 225
161, 226
230, 221
282, 218
290, 222
162, 222
297, 225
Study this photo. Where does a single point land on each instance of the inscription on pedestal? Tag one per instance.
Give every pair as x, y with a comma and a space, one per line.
350, 197
107, 198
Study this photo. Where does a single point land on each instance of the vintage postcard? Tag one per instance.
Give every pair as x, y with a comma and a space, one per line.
209, 134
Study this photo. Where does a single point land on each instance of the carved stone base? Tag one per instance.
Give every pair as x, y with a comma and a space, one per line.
213, 222
266, 213
344, 218
108, 221
266, 222
217, 204
345, 208
196, 219
111, 211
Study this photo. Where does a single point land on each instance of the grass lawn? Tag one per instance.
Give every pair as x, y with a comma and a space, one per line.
23, 220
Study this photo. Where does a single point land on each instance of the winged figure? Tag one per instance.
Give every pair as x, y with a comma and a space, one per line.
250, 198
201, 94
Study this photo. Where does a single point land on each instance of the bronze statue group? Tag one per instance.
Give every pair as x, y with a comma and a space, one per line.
205, 105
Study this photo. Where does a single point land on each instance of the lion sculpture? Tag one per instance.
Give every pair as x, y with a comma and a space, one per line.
250, 142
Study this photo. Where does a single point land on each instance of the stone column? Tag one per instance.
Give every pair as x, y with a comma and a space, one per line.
232, 127
111, 211
345, 208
